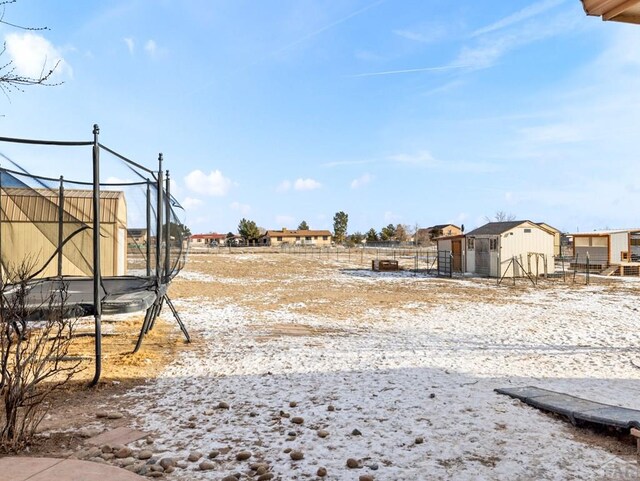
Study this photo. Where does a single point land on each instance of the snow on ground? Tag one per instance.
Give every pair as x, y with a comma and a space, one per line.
397, 374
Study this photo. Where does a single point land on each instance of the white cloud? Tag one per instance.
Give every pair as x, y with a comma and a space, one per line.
285, 221
361, 181
306, 184
283, 186
130, 44
244, 209
427, 33
33, 55
422, 157
190, 203
151, 47
214, 184
117, 180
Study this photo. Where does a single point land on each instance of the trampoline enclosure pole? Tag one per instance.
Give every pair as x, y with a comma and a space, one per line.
60, 221
97, 305
159, 223
148, 241
167, 233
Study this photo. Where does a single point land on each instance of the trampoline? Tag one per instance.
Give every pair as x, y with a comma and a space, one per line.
83, 257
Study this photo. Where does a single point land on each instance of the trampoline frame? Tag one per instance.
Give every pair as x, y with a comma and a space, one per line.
158, 285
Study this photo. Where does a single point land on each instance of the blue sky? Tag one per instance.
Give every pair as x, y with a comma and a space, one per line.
418, 112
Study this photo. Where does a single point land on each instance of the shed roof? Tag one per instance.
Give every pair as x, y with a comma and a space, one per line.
497, 228
606, 232
627, 11
41, 205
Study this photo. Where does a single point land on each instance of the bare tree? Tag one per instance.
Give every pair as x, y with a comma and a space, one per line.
33, 357
501, 216
10, 79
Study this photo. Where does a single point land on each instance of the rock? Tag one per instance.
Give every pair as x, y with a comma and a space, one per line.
182, 464
193, 417
322, 472
145, 454
166, 462
208, 412
127, 462
156, 474
373, 466
284, 414
331, 408
292, 404
156, 467
223, 405
262, 469
87, 432
297, 420
265, 477
170, 469
115, 415
107, 456
124, 452
353, 463
419, 440
231, 477
206, 465
97, 460
323, 433
106, 448
132, 467
143, 470
356, 432
102, 414
292, 434
365, 477
432, 395
243, 456
194, 456
214, 454
287, 450
296, 455
253, 414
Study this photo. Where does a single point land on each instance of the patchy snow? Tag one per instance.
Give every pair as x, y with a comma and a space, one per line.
396, 374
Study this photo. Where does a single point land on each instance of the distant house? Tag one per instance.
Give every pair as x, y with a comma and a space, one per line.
500, 249
137, 236
607, 247
430, 234
207, 240
296, 237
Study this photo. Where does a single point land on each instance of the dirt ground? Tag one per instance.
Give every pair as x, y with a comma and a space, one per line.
263, 283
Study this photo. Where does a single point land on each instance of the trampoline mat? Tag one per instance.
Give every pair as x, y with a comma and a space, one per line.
575, 408
123, 294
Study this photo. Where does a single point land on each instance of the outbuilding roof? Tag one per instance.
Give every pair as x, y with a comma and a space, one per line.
497, 228
297, 233
627, 11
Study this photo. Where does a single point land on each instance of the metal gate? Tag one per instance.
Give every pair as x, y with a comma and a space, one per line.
483, 257
445, 266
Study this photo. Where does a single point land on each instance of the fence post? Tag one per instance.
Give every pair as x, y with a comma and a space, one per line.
588, 269
97, 274
60, 224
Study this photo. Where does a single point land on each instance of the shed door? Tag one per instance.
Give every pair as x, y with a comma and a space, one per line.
482, 257
456, 253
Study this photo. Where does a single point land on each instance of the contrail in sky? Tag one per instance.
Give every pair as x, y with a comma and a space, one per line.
328, 27
410, 70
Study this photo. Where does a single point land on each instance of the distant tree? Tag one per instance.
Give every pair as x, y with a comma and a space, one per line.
501, 216
303, 225
372, 235
401, 233
230, 236
356, 238
10, 79
340, 221
388, 233
248, 230
177, 230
